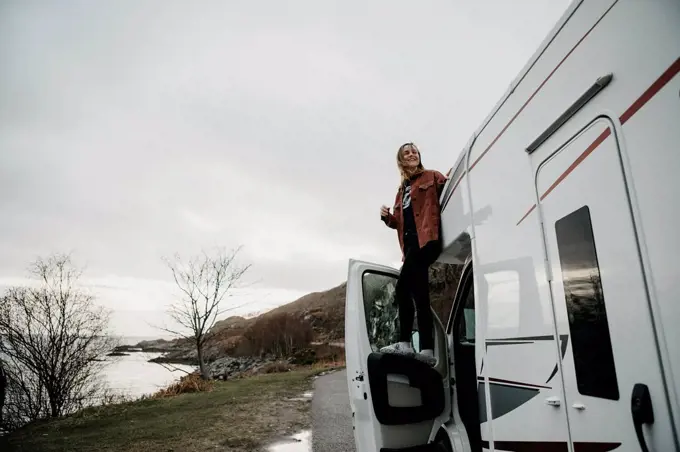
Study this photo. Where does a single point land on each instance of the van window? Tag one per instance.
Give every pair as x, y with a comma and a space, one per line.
589, 330
380, 309
466, 327
503, 303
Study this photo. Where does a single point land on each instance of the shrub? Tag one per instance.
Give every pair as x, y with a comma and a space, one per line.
276, 367
187, 384
237, 346
329, 364
279, 334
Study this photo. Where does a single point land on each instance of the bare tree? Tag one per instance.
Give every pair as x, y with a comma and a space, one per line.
204, 281
53, 338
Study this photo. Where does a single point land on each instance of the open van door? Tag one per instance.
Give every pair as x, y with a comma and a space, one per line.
398, 403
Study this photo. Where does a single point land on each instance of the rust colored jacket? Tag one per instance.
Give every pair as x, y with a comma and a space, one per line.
426, 189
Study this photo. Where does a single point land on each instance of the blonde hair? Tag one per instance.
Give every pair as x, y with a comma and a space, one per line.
405, 172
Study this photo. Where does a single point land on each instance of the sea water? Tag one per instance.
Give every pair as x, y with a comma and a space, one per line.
133, 376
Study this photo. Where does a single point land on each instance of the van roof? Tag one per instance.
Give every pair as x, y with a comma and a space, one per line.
525, 70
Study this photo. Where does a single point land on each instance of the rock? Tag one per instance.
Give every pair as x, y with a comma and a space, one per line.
229, 368
159, 345
125, 349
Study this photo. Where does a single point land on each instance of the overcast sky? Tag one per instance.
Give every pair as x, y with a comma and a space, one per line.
130, 130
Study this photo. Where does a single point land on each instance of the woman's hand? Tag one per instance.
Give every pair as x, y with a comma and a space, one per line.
387, 217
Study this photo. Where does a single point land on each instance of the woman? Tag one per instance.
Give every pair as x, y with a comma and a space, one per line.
417, 221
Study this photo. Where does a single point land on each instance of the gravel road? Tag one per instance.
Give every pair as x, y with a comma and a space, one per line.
331, 414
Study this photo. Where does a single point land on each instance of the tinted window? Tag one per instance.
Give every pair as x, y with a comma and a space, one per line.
381, 312
466, 328
593, 356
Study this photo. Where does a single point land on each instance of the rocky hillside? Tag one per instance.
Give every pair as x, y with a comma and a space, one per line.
316, 318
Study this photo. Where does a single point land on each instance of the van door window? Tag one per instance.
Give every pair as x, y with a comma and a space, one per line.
589, 330
466, 327
380, 309
503, 303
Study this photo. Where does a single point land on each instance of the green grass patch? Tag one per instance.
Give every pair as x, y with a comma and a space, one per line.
236, 415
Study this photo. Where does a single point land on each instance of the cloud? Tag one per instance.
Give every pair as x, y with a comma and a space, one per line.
131, 130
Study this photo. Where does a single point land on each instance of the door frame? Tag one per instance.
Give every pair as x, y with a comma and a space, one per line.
363, 362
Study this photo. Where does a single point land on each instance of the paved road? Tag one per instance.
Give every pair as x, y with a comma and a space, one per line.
331, 415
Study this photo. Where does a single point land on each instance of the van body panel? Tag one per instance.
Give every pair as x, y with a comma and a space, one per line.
513, 303
542, 95
456, 216
655, 172
613, 165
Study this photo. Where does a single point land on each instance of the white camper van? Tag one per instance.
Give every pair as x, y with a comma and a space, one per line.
564, 209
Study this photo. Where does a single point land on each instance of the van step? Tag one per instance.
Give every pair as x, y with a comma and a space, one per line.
432, 447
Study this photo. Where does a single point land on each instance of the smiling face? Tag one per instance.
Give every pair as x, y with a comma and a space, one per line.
408, 160
410, 157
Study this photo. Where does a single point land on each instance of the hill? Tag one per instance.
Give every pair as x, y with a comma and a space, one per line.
318, 317
325, 310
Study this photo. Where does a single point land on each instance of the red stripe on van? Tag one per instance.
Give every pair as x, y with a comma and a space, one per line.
649, 93
589, 150
666, 77
458, 181
540, 87
526, 214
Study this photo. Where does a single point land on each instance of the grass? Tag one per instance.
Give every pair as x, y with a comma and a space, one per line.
238, 415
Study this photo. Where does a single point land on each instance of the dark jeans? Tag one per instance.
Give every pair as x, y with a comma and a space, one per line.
413, 288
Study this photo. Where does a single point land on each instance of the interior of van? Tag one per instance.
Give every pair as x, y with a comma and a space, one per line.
461, 335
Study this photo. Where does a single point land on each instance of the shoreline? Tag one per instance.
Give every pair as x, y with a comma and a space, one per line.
223, 365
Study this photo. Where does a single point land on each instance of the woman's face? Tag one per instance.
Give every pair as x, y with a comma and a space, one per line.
410, 157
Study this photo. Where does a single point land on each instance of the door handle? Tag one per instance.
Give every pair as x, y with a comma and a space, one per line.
641, 409
553, 401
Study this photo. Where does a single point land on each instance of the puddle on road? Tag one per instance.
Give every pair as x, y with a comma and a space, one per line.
303, 398
300, 442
